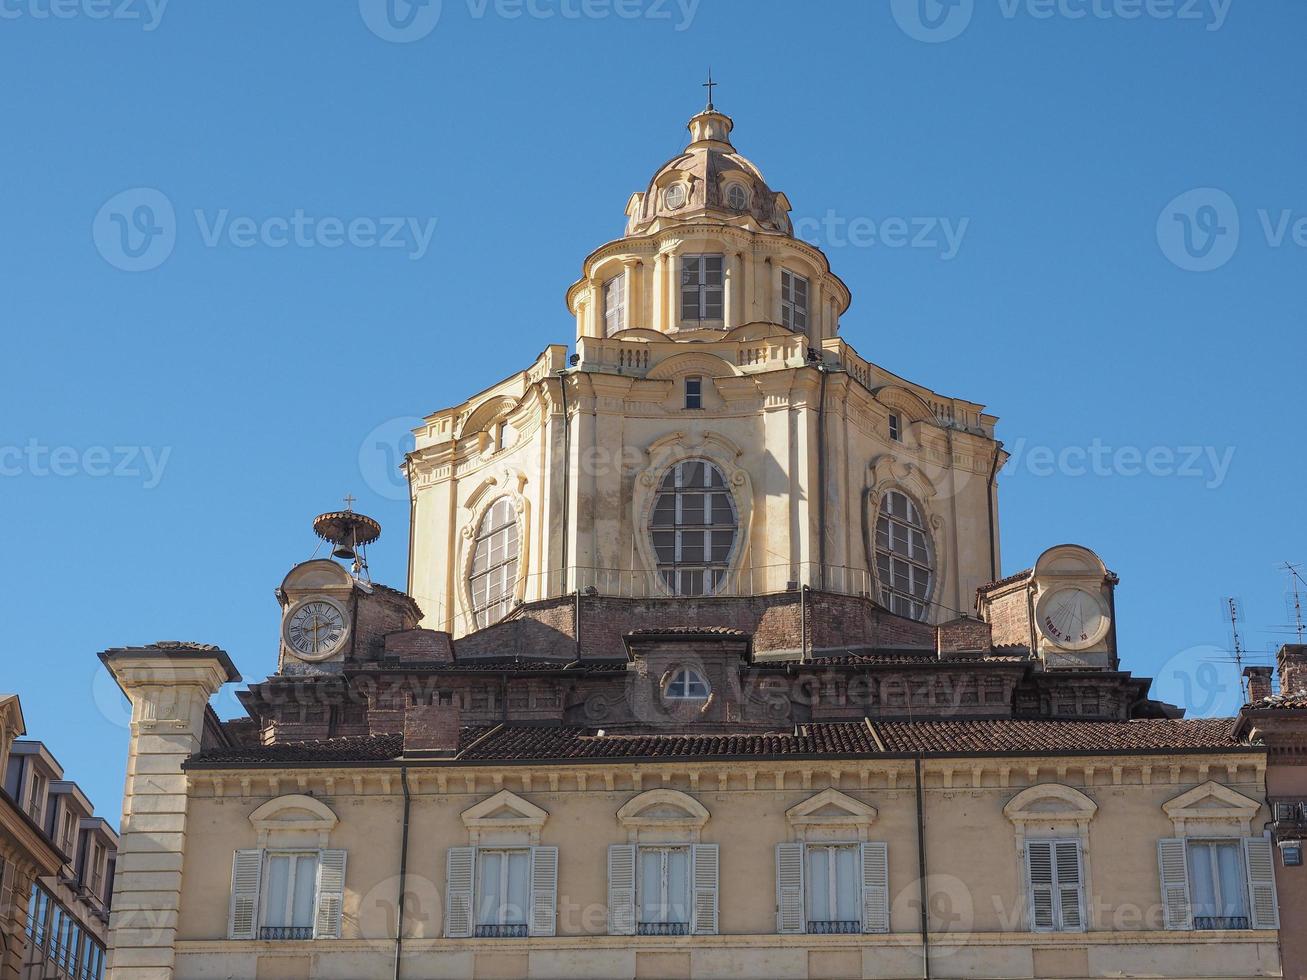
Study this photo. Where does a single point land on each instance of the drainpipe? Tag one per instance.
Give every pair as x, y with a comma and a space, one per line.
989, 499
803, 623
403, 873
922, 897
567, 464
821, 479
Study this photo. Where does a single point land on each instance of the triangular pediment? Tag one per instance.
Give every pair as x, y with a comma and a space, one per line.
504, 807
830, 806
1208, 800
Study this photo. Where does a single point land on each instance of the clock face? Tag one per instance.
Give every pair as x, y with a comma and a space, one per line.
1072, 618
315, 629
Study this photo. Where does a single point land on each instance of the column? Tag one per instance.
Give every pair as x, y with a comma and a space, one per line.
169, 688
657, 315
634, 297
735, 297
816, 315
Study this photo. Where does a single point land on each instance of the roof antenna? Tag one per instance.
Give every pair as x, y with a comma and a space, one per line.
1236, 615
1295, 581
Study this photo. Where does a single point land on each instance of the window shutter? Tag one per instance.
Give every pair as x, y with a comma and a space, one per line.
1066, 855
1174, 877
621, 889
544, 890
704, 875
789, 889
460, 863
331, 895
246, 870
1039, 881
875, 887
1260, 864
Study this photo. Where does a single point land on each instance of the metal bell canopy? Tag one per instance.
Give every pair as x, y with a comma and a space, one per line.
348, 533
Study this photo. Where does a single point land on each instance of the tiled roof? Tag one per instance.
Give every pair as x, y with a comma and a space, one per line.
1006, 580
527, 743
1145, 734
1282, 701
688, 631
501, 664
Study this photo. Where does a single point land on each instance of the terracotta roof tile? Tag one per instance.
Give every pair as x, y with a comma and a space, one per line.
1282, 701
688, 631
1145, 734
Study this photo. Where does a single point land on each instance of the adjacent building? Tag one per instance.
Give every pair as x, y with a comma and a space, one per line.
706, 667
58, 864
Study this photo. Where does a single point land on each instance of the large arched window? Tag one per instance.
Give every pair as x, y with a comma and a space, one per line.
694, 525
492, 580
903, 558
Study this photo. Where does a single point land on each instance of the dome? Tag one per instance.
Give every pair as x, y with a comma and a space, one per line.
709, 178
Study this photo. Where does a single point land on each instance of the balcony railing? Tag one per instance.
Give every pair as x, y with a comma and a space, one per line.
663, 929
286, 932
1220, 922
829, 926
505, 931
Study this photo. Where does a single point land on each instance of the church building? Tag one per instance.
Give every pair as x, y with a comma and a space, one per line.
706, 667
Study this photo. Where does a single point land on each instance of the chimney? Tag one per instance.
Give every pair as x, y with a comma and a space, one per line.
1292, 660
431, 728
1259, 683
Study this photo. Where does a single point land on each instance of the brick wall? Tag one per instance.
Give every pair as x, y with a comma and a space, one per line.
962, 636
1009, 617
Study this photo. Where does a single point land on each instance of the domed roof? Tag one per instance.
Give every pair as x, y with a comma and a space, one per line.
709, 179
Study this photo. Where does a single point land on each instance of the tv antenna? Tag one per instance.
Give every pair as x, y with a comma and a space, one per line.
1236, 615
1296, 584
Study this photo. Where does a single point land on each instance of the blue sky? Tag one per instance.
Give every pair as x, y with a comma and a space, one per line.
166, 435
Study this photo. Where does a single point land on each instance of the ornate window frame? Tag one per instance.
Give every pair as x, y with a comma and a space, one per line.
1193, 816
851, 823
520, 828
666, 452
676, 817
293, 821
491, 491
888, 473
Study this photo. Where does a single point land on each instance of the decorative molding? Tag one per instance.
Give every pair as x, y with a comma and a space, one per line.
1211, 808
830, 815
293, 819
504, 818
663, 815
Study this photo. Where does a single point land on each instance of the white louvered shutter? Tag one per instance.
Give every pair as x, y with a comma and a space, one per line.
246, 871
1039, 885
875, 887
789, 889
1174, 876
1259, 859
704, 875
544, 890
621, 890
1070, 885
460, 865
331, 895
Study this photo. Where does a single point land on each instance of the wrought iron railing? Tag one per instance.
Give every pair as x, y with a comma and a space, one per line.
663, 929
505, 931
286, 932
828, 926
1220, 922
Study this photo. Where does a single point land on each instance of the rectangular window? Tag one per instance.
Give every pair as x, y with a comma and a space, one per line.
36, 790
615, 305
69, 831
1054, 881
701, 287
1217, 888
290, 888
895, 432
503, 892
97, 871
794, 301
694, 392
834, 891
664, 891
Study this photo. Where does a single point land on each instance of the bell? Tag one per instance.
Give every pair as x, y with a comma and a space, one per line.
344, 552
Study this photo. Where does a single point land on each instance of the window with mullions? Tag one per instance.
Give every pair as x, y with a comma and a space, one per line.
1217, 885
834, 888
701, 287
503, 899
615, 304
903, 561
687, 685
694, 525
289, 895
664, 889
794, 301
493, 579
